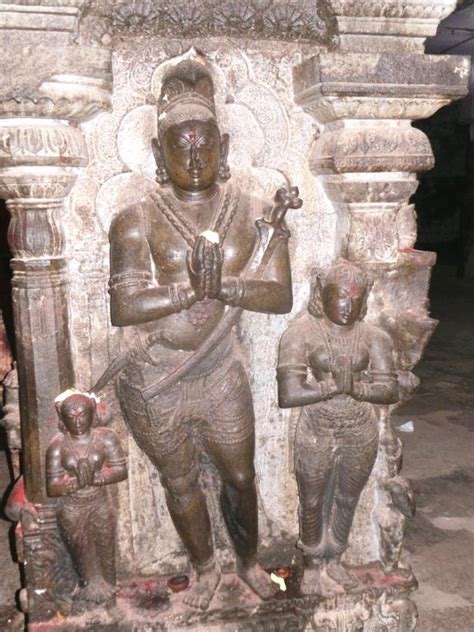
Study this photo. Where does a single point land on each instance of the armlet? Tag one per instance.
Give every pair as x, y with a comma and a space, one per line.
383, 376
55, 472
291, 369
117, 462
130, 279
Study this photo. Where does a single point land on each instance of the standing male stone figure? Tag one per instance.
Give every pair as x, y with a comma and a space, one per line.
178, 258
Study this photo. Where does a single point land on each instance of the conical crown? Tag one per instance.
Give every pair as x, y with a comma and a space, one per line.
187, 93
189, 78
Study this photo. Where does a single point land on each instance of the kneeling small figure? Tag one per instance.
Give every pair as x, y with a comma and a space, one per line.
81, 460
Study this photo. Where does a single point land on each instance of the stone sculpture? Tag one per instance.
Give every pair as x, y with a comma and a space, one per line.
313, 89
400, 502
178, 258
11, 419
336, 367
81, 460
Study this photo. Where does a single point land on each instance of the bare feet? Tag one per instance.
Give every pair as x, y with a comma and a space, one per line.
311, 581
203, 586
98, 591
341, 575
318, 581
257, 579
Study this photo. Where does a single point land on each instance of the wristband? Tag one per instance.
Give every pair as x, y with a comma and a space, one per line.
179, 297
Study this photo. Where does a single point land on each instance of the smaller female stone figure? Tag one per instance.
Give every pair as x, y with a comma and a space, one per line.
335, 367
80, 461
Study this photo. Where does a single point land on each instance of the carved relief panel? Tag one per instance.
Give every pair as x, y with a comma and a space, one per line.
270, 139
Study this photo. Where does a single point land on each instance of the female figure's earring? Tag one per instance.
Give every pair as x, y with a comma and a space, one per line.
161, 175
224, 171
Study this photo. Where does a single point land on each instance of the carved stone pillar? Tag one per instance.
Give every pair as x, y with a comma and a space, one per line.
41, 152
39, 161
368, 154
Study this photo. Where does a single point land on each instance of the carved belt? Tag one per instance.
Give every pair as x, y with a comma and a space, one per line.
83, 499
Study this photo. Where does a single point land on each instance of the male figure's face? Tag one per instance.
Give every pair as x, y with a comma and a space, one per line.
342, 303
191, 153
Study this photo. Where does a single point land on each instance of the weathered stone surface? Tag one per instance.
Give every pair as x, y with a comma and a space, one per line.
59, 17
348, 145
272, 19
371, 149
150, 607
367, 142
393, 25
65, 82
382, 74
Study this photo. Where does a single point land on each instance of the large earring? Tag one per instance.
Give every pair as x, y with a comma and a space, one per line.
161, 175
224, 171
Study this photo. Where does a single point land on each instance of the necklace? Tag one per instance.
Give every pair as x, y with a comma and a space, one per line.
227, 207
339, 343
75, 447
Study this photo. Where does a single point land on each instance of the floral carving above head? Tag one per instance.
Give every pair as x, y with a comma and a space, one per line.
268, 19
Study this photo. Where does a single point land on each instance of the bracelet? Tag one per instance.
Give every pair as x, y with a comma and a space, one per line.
179, 297
324, 389
360, 391
72, 486
236, 292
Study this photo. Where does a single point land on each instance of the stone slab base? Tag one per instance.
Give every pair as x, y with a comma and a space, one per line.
380, 604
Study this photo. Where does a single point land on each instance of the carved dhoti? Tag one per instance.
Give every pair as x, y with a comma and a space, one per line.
212, 405
336, 447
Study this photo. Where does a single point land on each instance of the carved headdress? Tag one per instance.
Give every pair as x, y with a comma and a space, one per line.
187, 93
343, 273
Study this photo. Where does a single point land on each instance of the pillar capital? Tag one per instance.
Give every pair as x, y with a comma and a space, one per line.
368, 154
372, 25
378, 86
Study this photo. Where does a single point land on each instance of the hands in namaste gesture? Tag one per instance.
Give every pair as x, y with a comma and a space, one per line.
343, 376
204, 264
205, 260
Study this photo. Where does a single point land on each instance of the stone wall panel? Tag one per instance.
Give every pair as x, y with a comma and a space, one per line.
317, 94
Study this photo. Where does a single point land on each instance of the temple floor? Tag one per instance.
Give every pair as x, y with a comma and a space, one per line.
438, 459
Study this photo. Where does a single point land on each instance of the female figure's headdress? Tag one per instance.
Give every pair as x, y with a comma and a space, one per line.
342, 272
102, 414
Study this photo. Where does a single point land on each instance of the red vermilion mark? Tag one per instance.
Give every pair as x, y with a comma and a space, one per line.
104, 413
179, 583
16, 500
102, 409
391, 580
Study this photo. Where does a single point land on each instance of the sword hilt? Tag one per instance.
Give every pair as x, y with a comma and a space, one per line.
285, 198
